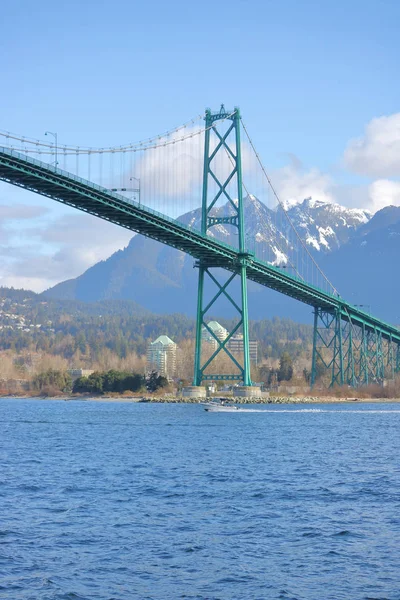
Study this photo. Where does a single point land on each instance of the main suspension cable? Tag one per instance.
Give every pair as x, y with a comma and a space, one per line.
265, 222
158, 141
285, 212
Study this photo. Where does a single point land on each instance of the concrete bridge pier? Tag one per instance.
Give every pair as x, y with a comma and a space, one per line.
194, 391
248, 391
200, 392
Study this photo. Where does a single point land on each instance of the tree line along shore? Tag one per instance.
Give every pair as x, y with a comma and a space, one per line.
42, 339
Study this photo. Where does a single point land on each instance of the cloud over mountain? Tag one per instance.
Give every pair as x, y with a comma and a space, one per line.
383, 192
294, 183
377, 152
52, 250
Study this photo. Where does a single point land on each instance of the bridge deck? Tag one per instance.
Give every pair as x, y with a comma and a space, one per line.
17, 169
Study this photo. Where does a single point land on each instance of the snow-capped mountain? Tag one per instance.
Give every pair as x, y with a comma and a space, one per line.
364, 269
322, 226
163, 279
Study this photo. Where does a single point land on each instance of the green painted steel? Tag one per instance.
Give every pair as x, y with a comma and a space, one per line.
314, 351
370, 335
197, 352
242, 248
209, 220
364, 356
350, 353
390, 365
350, 364
41, 178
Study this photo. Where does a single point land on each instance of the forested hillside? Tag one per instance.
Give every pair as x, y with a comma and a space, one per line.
78, 331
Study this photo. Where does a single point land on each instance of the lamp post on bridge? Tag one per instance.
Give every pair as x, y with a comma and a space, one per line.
286, 267
366, 306
133, 190
55, 145
138, 187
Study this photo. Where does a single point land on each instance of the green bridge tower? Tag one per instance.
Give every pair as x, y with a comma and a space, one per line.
217, 150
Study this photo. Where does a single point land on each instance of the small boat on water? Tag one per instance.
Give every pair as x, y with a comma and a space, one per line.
219, 406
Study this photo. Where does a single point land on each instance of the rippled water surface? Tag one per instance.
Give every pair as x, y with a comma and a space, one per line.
123, 501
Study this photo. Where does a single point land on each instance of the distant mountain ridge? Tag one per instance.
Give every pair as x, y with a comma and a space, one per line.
326, 227
366, 267
323, 226
163, 280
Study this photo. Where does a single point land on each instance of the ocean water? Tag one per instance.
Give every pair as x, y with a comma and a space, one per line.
102, 501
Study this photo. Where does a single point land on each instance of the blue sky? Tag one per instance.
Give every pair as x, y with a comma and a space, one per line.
308, 76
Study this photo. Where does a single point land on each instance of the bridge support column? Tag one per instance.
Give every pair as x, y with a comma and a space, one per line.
347, 350
314, 350
364, 370
380, 366
397, 368
390, 366
348, 354
328, 348
199, 324
222, 183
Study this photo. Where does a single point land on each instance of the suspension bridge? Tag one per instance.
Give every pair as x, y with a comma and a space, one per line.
154, 187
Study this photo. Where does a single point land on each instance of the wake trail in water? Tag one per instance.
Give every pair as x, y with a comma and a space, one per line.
310, 410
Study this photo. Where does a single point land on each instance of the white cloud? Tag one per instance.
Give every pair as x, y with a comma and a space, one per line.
27, 283
383, 192
13, 212
9, 214
171, 176
377, 152
294, 184
58, 250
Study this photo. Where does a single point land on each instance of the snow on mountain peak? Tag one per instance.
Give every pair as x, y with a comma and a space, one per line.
326, 225
323, 226
290, 203
309, 201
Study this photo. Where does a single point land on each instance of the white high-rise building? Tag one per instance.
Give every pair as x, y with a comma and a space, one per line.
161, 357
220, 332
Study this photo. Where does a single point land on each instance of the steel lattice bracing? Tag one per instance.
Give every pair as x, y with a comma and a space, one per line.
352, 352
365, 348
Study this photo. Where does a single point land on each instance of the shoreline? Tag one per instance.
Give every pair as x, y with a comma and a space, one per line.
240, 401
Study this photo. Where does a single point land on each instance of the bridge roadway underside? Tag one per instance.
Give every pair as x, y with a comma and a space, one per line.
41, 178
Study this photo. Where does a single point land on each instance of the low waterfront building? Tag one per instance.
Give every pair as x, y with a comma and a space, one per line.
75, 373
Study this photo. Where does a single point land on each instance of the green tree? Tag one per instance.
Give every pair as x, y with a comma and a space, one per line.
52, 381
134, 382
95, 383
320, 368
285, 371
155, 382
112, 381
272, 377
81, 385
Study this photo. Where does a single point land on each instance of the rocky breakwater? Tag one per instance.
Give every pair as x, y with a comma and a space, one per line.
240, 400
